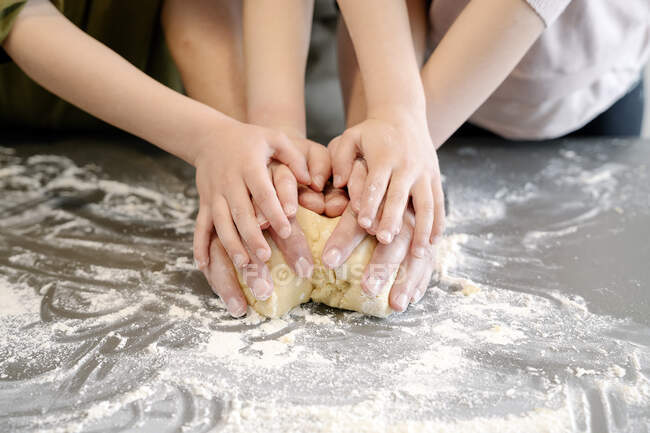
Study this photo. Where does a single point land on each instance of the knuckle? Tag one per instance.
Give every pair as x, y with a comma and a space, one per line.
236, 212
425, 207
198, 252
253, 171
284, 178
265, 197
408, 221
394, 196
278, 138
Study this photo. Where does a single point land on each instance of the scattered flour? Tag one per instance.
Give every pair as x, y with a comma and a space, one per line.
147, 333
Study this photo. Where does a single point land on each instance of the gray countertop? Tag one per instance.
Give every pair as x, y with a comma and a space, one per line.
105, 325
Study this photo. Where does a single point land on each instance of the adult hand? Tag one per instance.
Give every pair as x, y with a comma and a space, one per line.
414, 273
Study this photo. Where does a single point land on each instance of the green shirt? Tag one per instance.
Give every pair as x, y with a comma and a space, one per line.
129, 27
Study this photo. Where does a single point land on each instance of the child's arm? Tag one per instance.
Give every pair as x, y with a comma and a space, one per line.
276, 42
394, 140
231, 158
478, 52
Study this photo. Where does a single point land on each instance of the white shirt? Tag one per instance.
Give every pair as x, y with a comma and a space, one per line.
590, 54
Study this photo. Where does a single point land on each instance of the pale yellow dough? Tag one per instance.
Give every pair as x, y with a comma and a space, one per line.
340, 288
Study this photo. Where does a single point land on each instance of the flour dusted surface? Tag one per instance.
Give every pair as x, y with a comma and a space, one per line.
108, 325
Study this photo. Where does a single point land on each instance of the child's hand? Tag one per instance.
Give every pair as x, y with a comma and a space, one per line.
401, 162
231, 169
318, 159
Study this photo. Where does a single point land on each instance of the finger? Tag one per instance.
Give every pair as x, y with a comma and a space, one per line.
261, 219
320, 166
424, 211
202, 233
295, 250
423, 285
409, 276
265, 197
286, 187
244, 218
288, 154
373, 193
336, 200
344, 239
386, 260
343, 155
227, 233
257, 276
372, 230
223, 280
395, 203
439, 210
310, 199
356, 183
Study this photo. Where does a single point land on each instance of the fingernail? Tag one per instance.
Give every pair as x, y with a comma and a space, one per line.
417, 297
289, 209
235, 307
318, 180
332, 258
374, 286
304, 269
262, 254
365, 222
285, 232
239, 260
418, 252
200, 264
337, 181
261, 289
261, 220
401, 302
385, 236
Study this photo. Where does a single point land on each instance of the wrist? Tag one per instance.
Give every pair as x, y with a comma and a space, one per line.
285, 118
410, 98
402, 113
205, 132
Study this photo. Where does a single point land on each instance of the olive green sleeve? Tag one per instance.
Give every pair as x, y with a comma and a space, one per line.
9, 10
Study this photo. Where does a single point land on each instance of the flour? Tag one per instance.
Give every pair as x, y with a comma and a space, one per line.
224, 344
369, 416
17, 300
499, 334
103, 300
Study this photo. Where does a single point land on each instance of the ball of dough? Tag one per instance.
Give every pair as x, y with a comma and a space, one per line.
339, 288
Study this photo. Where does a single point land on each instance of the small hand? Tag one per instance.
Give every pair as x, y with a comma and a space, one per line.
232, 178
318, 161
401, 162
294, 248
220, 273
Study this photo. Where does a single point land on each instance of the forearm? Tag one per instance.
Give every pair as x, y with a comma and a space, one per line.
77, 68
276, 42
479, 51
350, 77
205, 40
386, 57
